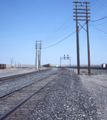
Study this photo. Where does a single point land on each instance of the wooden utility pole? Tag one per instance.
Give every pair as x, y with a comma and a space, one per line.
88, 44
81, 9
77, 36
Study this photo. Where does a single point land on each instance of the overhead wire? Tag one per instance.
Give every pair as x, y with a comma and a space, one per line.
61, 24
65, 28
70, 34
101, 39
60, 41
99, 29
98, 7
100, 24
58, 33
99, 19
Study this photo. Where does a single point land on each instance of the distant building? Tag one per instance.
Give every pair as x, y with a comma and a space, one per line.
104, 65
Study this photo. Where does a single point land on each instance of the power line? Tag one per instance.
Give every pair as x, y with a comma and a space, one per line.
99, 29
57, 33
101, 40
59, 27
99, 19
98, 6
60, 40
101, 24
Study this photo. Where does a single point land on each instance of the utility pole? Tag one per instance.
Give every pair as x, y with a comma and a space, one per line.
77, 34
38, 55
60, 61
38, 58
18, 64
80, 7
15, 64
70, 60
88, 44
12, 65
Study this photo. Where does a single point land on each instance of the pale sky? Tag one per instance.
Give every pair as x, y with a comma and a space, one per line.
22, 22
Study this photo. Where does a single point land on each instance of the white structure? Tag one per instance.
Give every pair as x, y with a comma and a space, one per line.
103, 65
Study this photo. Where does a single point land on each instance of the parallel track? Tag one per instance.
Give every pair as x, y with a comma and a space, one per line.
15, 99
25, 86
20, 75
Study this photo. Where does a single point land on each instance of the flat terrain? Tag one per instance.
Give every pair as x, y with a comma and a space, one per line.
68, 97
9, 72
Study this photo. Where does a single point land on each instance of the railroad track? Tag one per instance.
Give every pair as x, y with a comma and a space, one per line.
13, 100
20, 75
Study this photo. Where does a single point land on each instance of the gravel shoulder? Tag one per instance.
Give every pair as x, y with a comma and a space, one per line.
66, 98
96, 84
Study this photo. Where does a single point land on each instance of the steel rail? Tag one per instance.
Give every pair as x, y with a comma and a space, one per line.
27, 85
20, 75
22, 102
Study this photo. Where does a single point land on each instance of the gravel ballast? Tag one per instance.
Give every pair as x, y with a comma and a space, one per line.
97, 86
13, 84
64, 99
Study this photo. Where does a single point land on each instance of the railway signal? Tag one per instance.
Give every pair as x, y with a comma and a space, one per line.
67, 56
64, 58
81, 12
